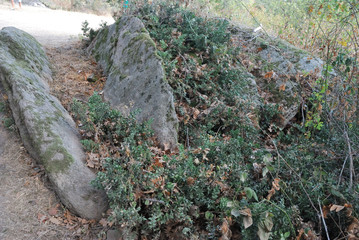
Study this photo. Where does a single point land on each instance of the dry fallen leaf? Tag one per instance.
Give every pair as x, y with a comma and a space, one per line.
353, 229
55, 220
275, 187
336, 208
196, 112
269, 74
42, 218
226, 232
69, 217
53, 211
247, 222
282, 87
190, 180
103, 222
246, 212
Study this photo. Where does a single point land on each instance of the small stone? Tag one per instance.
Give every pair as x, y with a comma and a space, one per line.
92, 78
113, 235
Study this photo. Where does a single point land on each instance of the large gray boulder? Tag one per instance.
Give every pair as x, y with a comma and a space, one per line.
47, 130
136, 79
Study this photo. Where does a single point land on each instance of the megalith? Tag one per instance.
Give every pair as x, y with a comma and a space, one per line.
136, 78
47, 130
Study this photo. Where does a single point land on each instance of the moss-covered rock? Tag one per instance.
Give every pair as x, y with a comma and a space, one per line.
136, 79
46, 128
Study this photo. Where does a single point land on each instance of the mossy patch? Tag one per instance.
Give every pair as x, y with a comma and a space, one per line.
23, 64
54, 147
101, 38
56, 158
22, 45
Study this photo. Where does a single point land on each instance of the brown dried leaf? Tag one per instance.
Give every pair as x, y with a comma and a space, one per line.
55, 220
196, 112
53, 211
226, 232
128, 152
138, 194
326, 210
103, 222
42, 218
269, 74
282, 87
190, 180
69, 217
336, 208
246, 212
275, 184
158, 162
275, 187
247, 221
353, 229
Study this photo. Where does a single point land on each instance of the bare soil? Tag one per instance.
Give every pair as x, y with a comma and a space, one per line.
29, 209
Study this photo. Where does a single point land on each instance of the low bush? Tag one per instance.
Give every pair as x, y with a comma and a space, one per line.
154, 192
230, 178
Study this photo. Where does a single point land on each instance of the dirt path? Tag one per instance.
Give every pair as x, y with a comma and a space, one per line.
49, 27
28, 207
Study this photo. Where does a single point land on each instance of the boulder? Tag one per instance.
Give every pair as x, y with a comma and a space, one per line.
136, 79
46, 128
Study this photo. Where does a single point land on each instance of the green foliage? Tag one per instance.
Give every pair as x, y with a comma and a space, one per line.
224, 168
90, 145
2, 107
188, 188
9, 122
88, 32
201, 68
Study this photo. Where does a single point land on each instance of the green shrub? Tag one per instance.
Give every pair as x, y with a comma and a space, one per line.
150, 191
89, 33
226, 171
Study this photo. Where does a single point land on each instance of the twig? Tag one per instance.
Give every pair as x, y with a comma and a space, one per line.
301, 183
187, 139
341, 172
351, 162
154, 200
325, 225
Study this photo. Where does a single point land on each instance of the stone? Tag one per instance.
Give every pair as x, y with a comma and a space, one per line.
309, 64
113, 235
136, 78
46, 129
91, 78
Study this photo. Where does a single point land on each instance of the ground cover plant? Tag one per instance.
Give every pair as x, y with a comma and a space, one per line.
235, 175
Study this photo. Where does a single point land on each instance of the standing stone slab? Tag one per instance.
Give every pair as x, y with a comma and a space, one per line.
47, 130
136, 79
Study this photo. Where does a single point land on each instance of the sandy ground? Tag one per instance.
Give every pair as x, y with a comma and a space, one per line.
27, 202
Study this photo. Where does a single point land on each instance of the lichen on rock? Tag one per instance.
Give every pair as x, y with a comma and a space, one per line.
46, 128
136, 79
